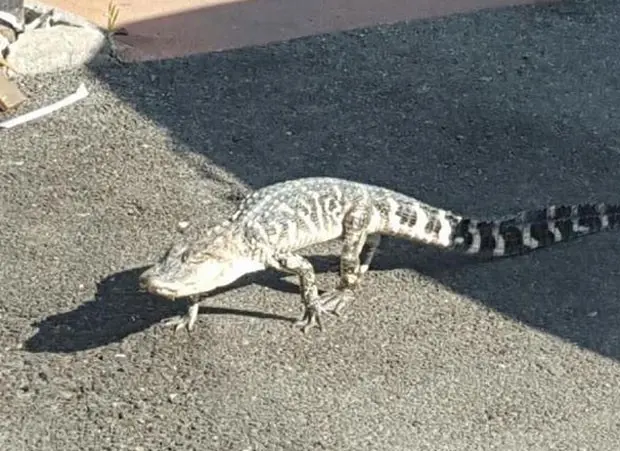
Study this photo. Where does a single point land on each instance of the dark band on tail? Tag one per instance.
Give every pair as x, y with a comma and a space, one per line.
534, 229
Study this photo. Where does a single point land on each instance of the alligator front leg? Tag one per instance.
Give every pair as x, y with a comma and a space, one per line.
301, 266
188, 320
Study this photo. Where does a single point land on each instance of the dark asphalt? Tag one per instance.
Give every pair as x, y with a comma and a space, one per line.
484, 114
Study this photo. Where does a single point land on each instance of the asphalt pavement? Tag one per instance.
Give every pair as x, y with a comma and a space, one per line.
485, 114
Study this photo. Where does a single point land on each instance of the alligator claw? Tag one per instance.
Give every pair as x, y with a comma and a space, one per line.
186, 321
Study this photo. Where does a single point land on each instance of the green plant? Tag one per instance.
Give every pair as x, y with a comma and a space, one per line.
112, 16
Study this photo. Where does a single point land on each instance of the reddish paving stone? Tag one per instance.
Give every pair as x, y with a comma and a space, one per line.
171, 28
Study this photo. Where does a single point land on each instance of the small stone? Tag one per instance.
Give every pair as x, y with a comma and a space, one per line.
66, 395
8, 34
50, 49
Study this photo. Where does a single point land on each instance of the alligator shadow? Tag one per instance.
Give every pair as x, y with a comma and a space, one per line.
120, 309
576, 302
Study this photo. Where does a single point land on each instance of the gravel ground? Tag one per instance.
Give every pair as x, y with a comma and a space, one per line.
484, 114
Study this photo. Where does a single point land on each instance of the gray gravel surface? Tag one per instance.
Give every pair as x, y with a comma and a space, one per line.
485, 114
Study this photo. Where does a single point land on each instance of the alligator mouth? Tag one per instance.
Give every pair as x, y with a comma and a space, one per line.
163, 291
153, 287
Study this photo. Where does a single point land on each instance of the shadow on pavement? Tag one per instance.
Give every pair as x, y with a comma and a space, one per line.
484, 114
570, 291
237, 24
120, 309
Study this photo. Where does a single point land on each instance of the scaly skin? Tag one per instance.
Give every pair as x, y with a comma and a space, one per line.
274, 223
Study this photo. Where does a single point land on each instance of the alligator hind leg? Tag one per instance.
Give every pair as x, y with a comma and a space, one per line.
356, 243
368, 252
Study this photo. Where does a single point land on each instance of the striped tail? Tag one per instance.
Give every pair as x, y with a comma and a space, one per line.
533, 229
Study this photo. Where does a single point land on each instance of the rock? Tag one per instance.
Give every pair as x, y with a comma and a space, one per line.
53, 48
8, 35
